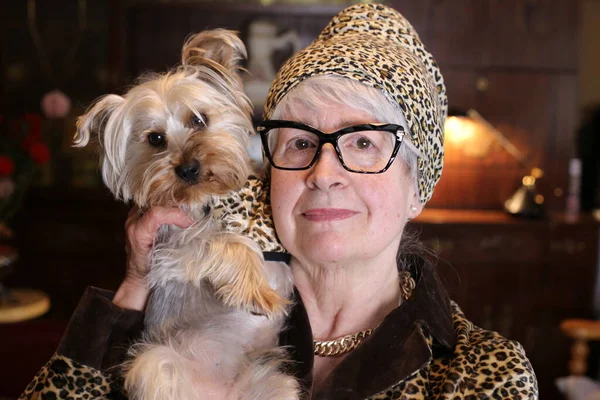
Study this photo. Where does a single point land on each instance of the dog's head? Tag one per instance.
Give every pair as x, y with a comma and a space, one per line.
176, 138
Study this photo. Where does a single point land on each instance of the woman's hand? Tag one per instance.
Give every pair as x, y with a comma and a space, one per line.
140, 233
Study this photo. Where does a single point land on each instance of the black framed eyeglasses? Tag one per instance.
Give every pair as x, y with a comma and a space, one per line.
365, 148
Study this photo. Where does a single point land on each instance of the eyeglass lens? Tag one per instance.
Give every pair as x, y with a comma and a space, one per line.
363, 151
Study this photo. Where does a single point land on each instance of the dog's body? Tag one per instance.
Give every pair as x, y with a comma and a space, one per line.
216, 307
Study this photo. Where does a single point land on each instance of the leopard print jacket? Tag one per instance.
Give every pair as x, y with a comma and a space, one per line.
483, 365
424, 349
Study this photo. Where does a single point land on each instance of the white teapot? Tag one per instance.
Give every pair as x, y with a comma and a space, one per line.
262, 42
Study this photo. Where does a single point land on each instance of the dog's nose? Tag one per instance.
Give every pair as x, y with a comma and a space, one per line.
189, 171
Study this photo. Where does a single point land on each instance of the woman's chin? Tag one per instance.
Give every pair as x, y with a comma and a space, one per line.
328, 247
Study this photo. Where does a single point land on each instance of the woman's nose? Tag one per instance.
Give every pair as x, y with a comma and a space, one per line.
328, 172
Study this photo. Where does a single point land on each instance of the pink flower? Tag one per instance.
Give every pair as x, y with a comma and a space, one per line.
56, 104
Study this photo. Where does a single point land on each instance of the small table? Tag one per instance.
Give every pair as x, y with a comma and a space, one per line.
23, 304
17, 305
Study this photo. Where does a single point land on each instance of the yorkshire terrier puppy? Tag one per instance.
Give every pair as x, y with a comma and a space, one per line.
216, 307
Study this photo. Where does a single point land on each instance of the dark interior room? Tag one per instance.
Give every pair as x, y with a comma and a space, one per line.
513, 223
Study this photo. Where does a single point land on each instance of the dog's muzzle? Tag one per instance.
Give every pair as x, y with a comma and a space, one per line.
189, 172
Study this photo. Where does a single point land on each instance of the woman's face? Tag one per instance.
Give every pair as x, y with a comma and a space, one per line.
327, 214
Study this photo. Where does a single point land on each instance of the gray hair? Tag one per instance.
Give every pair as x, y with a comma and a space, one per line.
319, 92
322, 91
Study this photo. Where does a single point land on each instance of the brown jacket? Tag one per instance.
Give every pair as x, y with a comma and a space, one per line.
424, 349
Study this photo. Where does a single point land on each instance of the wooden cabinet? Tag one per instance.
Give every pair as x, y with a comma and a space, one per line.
518, 277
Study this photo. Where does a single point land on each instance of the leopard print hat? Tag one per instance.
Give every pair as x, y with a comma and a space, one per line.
374, 44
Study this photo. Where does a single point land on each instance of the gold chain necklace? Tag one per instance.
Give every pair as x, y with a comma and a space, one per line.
340, 346
345, 344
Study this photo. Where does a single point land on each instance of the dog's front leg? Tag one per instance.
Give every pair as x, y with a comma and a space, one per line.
232, 263
235, 266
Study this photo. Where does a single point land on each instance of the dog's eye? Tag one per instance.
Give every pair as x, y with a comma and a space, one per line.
198, 121
157, 139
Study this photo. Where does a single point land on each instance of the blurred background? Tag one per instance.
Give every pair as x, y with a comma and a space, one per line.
514, 219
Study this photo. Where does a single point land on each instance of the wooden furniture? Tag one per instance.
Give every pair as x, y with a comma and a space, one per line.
581, 331
23, 304
518, 277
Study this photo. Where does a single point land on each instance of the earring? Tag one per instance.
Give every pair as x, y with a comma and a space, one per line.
413, 208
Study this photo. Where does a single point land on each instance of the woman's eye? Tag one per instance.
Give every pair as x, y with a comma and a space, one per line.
157, 139
363, 143
301, 144
198, 121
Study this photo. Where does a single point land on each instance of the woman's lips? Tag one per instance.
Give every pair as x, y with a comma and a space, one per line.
328, 214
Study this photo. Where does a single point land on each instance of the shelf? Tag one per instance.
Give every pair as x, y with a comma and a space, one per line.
497, 217
250, 8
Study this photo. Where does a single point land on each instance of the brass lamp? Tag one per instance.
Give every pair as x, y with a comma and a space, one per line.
526, 201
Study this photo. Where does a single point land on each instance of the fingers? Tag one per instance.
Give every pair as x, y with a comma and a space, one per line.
158, 216
144, 226
141, 232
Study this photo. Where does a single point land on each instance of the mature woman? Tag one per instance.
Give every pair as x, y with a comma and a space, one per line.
353, 132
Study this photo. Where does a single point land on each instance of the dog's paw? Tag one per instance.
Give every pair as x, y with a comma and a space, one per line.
257, 299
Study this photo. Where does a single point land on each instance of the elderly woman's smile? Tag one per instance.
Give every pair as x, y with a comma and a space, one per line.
328, 214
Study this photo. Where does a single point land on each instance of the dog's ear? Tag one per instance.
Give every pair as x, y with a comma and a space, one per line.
93, 122
218, 46
102, 124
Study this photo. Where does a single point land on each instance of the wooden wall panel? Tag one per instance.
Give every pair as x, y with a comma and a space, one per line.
529, 99
417, 12
149, 48
456, 32
535, 111
83, 76
534, 33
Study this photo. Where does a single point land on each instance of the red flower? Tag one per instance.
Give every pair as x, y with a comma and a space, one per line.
35, 124
39, 153
28, 141
6, 166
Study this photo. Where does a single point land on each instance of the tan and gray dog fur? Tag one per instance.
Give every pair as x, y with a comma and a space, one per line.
179, 139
